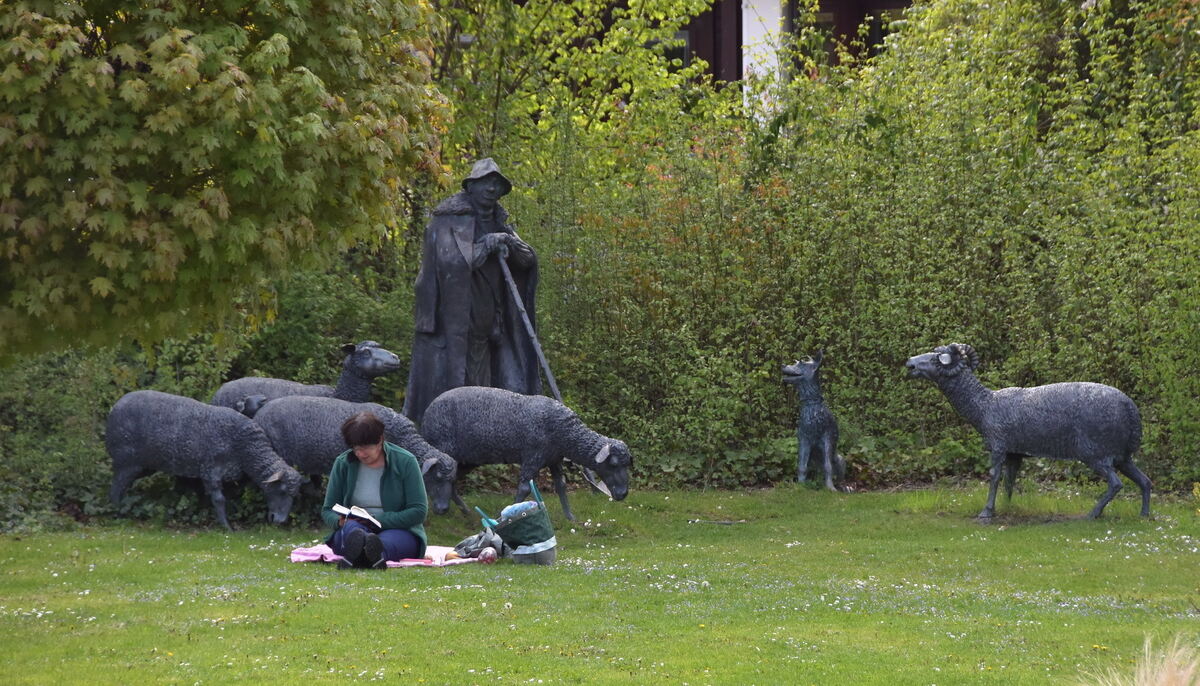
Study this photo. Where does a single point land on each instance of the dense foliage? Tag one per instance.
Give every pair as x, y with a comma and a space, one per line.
156, 159
1012, 176
1018, 176
513, 70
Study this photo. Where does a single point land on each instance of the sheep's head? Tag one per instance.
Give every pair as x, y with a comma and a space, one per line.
280, 490
803, 371
612, 463
250, 405
439, 472
945, 361
368, 360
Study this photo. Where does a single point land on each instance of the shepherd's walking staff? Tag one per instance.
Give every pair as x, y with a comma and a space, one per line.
537, 348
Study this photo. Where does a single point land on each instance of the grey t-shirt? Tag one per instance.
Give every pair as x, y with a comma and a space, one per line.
366, 489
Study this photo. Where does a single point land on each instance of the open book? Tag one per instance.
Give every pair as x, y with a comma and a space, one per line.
360, 514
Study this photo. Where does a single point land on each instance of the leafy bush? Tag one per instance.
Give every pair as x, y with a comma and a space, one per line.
159, 159
51, 433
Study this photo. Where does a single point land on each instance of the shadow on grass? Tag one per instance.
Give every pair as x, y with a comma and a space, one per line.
1042, 507
1027, 518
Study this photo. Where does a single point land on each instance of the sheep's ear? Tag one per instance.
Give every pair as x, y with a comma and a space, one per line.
945, 359
274, 477
349, 348
603, 454
428, 464
820, 356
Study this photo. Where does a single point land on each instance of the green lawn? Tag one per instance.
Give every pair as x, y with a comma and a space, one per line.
799, 586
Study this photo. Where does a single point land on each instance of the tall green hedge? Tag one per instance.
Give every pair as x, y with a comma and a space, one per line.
1017, 176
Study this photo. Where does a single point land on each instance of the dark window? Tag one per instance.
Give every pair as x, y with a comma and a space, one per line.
681, 52
879, 22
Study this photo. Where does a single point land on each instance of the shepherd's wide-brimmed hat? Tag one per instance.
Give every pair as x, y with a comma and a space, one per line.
483, 168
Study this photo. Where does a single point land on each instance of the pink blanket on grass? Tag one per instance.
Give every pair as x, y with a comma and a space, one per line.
435, 556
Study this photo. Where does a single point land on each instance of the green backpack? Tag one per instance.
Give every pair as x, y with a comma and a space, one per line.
528, 527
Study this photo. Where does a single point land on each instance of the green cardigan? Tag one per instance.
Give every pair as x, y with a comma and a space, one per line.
401, 491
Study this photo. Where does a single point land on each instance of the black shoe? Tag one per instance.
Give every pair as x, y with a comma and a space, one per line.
372, 552
352, 547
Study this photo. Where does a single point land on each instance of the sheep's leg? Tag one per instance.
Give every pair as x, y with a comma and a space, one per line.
998, 459
560, 487
463, 470
458, 500
1114, 484
1129, 469
1012, 466
527, 474
213, 486
804, 449
313, 485
122, 480
827, 448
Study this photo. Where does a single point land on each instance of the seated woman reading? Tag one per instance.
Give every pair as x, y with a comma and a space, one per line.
383, 479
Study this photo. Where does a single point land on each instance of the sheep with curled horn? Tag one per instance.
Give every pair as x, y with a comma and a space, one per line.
1089, 422
477, 425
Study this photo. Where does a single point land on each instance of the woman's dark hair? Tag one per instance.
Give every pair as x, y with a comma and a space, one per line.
363, 428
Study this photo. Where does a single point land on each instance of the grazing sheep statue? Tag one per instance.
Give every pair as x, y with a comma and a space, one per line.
1093, 423
306, 432
363, 364
149, 431
817, 427
477, 425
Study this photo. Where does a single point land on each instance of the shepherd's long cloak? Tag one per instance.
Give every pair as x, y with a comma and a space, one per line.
443, 312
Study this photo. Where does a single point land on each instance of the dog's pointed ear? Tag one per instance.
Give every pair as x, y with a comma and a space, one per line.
820, 356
